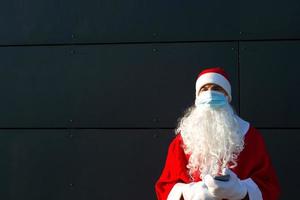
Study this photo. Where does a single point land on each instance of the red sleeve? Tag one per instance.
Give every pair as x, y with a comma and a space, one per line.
254, 162
174, 170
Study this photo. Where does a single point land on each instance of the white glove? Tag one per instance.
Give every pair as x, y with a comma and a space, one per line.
197, 191
232, 189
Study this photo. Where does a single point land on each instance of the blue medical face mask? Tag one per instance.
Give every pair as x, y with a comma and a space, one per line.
211, 98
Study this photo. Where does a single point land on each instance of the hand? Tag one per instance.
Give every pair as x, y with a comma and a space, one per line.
197, 191
232, 189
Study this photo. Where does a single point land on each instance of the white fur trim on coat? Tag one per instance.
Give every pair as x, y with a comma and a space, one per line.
176, 192
254, 192
244, 125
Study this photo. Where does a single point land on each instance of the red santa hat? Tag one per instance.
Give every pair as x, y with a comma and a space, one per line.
216, 75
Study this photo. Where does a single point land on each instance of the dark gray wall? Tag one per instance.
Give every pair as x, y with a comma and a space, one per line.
91, 90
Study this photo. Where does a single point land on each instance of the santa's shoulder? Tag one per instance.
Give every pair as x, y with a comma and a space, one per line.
177, 140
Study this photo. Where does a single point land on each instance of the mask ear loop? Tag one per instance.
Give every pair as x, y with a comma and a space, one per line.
228, 99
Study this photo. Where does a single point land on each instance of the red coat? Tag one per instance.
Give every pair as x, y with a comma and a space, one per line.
253, 162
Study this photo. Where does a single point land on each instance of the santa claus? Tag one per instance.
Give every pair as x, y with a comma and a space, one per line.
215, 154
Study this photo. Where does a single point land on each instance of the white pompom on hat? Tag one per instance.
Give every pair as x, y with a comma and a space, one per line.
215, 75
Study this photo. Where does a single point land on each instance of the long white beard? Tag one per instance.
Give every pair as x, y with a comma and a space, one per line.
212, 137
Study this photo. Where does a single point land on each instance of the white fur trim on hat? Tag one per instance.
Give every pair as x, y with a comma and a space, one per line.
216, 78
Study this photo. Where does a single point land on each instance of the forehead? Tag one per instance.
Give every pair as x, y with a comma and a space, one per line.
210, 84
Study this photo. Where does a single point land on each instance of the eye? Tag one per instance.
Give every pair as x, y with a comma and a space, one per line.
217, 88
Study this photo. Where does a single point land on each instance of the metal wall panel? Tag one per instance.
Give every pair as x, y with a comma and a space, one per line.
137, 85
269, 80
283, 146
53, 22
60, 22
81, 164
269, 19
119, 164
35, 164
